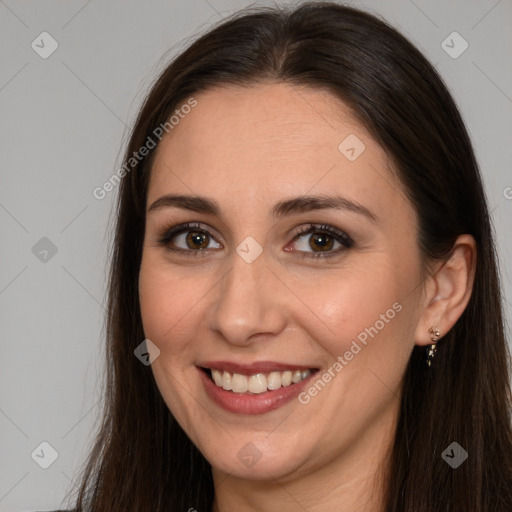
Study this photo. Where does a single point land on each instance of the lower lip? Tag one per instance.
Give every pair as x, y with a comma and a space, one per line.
252, 403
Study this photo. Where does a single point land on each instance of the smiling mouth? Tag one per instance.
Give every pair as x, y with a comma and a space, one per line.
257, 383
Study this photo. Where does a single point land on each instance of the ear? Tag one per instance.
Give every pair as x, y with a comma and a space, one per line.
448, 290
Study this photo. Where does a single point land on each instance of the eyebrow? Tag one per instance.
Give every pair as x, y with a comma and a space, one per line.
281, 209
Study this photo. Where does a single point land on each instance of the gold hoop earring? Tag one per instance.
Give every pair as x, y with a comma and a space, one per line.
434, 336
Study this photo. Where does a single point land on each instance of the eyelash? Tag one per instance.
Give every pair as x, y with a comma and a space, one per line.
335, 233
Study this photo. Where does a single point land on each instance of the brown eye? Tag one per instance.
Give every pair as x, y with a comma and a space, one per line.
196, 240
189, 238
321, 242
315, 240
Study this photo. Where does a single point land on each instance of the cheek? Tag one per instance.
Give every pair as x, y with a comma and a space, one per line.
169, 301
170, 304
364, 315
348, 301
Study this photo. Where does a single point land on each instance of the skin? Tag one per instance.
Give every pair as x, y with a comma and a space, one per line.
249, 148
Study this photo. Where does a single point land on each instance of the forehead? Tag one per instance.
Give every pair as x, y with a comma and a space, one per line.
267, 141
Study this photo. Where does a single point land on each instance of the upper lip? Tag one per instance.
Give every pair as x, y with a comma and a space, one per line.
254, 367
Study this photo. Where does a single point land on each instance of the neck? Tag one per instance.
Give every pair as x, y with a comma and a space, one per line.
351, 482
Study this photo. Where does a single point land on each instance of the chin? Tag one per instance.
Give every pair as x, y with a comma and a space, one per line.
258, 459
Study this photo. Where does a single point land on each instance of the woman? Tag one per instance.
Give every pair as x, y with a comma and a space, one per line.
304, 244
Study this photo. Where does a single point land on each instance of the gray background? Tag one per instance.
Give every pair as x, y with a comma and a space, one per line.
62, 123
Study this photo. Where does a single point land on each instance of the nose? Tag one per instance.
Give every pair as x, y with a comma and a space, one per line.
248, 304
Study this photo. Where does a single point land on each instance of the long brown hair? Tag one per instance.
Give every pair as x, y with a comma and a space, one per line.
141, 459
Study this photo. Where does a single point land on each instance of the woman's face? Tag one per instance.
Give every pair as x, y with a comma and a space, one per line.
302, 255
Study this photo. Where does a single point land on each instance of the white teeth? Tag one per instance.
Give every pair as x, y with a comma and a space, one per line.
258, 383
274, 380
239, 383
226, 381
217, 377
286, 378
296, 376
